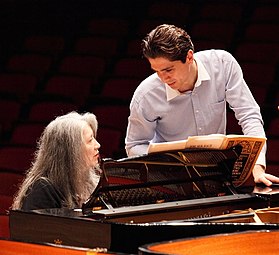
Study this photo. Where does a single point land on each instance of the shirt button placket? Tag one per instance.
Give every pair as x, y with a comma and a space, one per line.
198, 116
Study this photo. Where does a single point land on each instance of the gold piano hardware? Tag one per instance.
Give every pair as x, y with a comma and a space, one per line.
160, 201
96, 250
264, 215
97, 208
57, 241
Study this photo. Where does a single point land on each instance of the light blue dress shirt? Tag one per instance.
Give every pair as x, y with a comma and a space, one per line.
158, 113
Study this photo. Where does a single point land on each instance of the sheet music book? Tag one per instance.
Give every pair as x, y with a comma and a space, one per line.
251, 147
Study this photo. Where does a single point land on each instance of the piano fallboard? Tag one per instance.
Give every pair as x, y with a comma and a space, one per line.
180, 210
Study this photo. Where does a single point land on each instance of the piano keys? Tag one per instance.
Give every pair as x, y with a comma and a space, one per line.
172, 185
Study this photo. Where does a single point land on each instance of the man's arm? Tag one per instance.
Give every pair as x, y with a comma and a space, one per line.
139, 131
260, 176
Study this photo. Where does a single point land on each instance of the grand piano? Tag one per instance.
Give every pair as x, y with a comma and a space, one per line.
157, 197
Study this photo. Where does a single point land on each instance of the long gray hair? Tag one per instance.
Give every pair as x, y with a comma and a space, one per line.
60, 159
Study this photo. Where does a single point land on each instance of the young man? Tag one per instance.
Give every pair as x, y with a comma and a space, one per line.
187, 96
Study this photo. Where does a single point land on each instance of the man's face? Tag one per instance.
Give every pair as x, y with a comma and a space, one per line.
174, 73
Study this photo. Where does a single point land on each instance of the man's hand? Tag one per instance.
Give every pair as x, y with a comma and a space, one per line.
261, 177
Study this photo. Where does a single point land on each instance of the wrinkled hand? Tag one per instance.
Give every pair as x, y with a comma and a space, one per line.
261, 177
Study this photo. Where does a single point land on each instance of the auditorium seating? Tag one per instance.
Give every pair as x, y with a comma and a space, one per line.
5, 203
19, 84
171, 11
273, 128
96, 64
131, 67
9, 184
215, 31
16, 158
10, 109
45, 107
103, 46
133, 48
4, 226
26, 133
75, 87
222, 11
272, 151
44, 44
265, 12
120, 88
262, 32
146, 25
87, 57
36, 64
205, 44
110, 115
82, 65
259, 52
48, 110
258, 74
116, 27
111, 140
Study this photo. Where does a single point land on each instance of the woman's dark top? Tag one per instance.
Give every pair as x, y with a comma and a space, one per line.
42, 195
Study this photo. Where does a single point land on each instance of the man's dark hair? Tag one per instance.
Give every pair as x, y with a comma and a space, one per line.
167, 41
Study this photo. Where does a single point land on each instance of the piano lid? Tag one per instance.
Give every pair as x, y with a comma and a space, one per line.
164, 177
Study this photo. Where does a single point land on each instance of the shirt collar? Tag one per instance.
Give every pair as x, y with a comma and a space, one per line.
202, 76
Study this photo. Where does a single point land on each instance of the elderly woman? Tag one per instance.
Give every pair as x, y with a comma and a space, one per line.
66, 169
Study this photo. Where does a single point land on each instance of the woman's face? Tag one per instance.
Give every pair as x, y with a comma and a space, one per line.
91, 146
